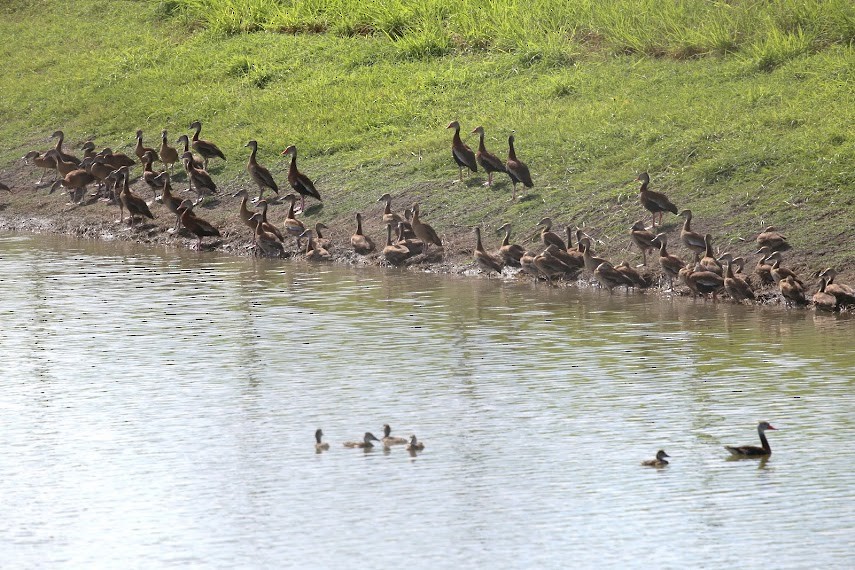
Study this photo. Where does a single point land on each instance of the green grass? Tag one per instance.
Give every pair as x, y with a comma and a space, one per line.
743, 113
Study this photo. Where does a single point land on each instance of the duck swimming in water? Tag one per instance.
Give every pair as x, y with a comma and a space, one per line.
365, 443
660, 460
753, 450
415, 444
319, 445
388, 439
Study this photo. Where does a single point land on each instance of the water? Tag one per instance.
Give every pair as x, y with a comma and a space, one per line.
158, 410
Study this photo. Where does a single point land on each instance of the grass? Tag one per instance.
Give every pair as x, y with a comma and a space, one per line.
741, 113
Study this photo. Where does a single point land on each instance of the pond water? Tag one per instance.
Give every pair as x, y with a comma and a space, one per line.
159, 406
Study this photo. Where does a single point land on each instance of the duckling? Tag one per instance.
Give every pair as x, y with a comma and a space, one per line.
692, 240
424, 231
395, 254
660, 460
773, 239
366, 440
653, 202
361, 243
389, 439
845, 294
642, 239
486, 261
389, 217
207, 149
547, 236
670, 264
460, 152
415, 444
489, 162
824, 300
510, 253
753, 450
319, 445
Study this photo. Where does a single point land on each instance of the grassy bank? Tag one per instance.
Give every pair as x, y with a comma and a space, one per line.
744, 138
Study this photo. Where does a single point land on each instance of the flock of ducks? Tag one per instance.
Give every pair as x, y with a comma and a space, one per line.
413, 445
410, 239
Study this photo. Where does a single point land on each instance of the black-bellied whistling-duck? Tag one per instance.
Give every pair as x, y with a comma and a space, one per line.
653, 202
196, 161
549, 266
361, 243
575, 253
633, 275
389, 217
260, 175
408, 239
753, 450
88, 149
141, 149
709, 262
609, 277
660, 460
792, 290
486, 261
299, 181
319, 445
75, 182
45, 162
778, 272
134, 204
527, 263
116, 160
394, 253
641, 237
266, 224
171, 202
320, 240
462, 154
489, 162
516, 169
822, 299
737, 287
670, 264
365, 443
200, 180
845, 294
763, 269
313, 251
591, 261
389, 439
196, 225
63, 166
547, 236
243, 211
424, 231
265, 242
207, 149
97, 167
773, 239
149, 174
510, 252
415, 444
60, 137
168, 154
291, 225
692, 240
703, 282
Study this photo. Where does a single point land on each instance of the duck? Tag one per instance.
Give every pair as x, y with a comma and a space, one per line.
366, 440
670, 264
822, 299
527, 263
361, 243
516, 169
738, 288
97, 167
389, 217
773, 239
266, 224
591, 261
388, 439
63, 166
320, 240
140, 150
609, 277
171, 202
196, 225
299, 181
753, 450
415, 444
168, 154
423, 231
200, 180
75, 181
653, 202
134, 204
778, 272
547, 236
462, 154
792, 290
244, 212
319, 445
291, 225
575, 253
149, 174
763, 269
692, 240
314, 252
489, 162
509, 252
408, 239
206, 149
660, 460
196, 160
709, 262
394, 253
486, 261
641, 237
116, 160
266, 242
845, 294
405, 228
703, 282
549, 266
60, 137
259, 174
46, 162
88, 149
633, 275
